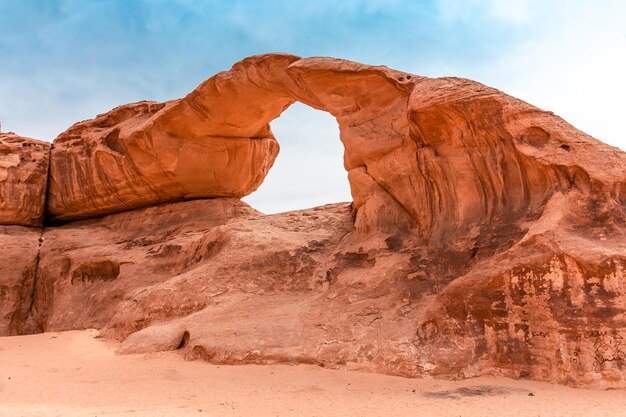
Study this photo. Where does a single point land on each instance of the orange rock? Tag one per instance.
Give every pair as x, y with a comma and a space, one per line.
224, 283
114, 163
486, 236
23, 179
217, 142
446, 156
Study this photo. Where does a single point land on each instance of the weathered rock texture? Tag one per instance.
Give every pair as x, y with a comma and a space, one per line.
486, 236
19, 255
23, 179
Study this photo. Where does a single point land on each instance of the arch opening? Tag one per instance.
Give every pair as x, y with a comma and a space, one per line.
309, 169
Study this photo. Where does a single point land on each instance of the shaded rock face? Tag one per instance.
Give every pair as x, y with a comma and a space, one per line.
550, 308
19, 257
560, 318
23, 179
446, 157
486, 236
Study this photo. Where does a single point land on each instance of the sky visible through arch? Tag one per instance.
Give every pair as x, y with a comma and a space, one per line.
62, 61
308, 171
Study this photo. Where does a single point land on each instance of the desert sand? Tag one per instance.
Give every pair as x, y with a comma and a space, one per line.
77, 373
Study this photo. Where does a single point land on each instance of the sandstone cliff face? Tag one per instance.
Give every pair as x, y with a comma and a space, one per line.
19, 256
486, 236
23, 182
23, 179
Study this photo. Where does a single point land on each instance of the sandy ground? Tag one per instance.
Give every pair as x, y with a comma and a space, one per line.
77, 374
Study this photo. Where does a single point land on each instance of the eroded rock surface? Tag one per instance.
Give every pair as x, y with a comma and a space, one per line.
224, 283
173, 260
19, 254
550, 308
23, 179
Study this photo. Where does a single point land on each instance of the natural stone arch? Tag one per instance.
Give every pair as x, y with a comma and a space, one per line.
146, 153
448, 158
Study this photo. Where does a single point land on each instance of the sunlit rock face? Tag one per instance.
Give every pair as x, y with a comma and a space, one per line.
444, 156
486, 236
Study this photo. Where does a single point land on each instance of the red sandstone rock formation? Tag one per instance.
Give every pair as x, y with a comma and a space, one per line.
23, 179
485, 236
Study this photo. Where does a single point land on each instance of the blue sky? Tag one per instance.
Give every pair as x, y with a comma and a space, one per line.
67, 60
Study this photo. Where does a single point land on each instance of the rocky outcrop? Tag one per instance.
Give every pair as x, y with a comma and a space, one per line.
442, 156
23, 182
486, 236
222, 282
23, 179
550, 308
217, 142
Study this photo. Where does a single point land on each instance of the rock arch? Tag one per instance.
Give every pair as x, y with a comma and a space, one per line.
512, 261
448, 158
